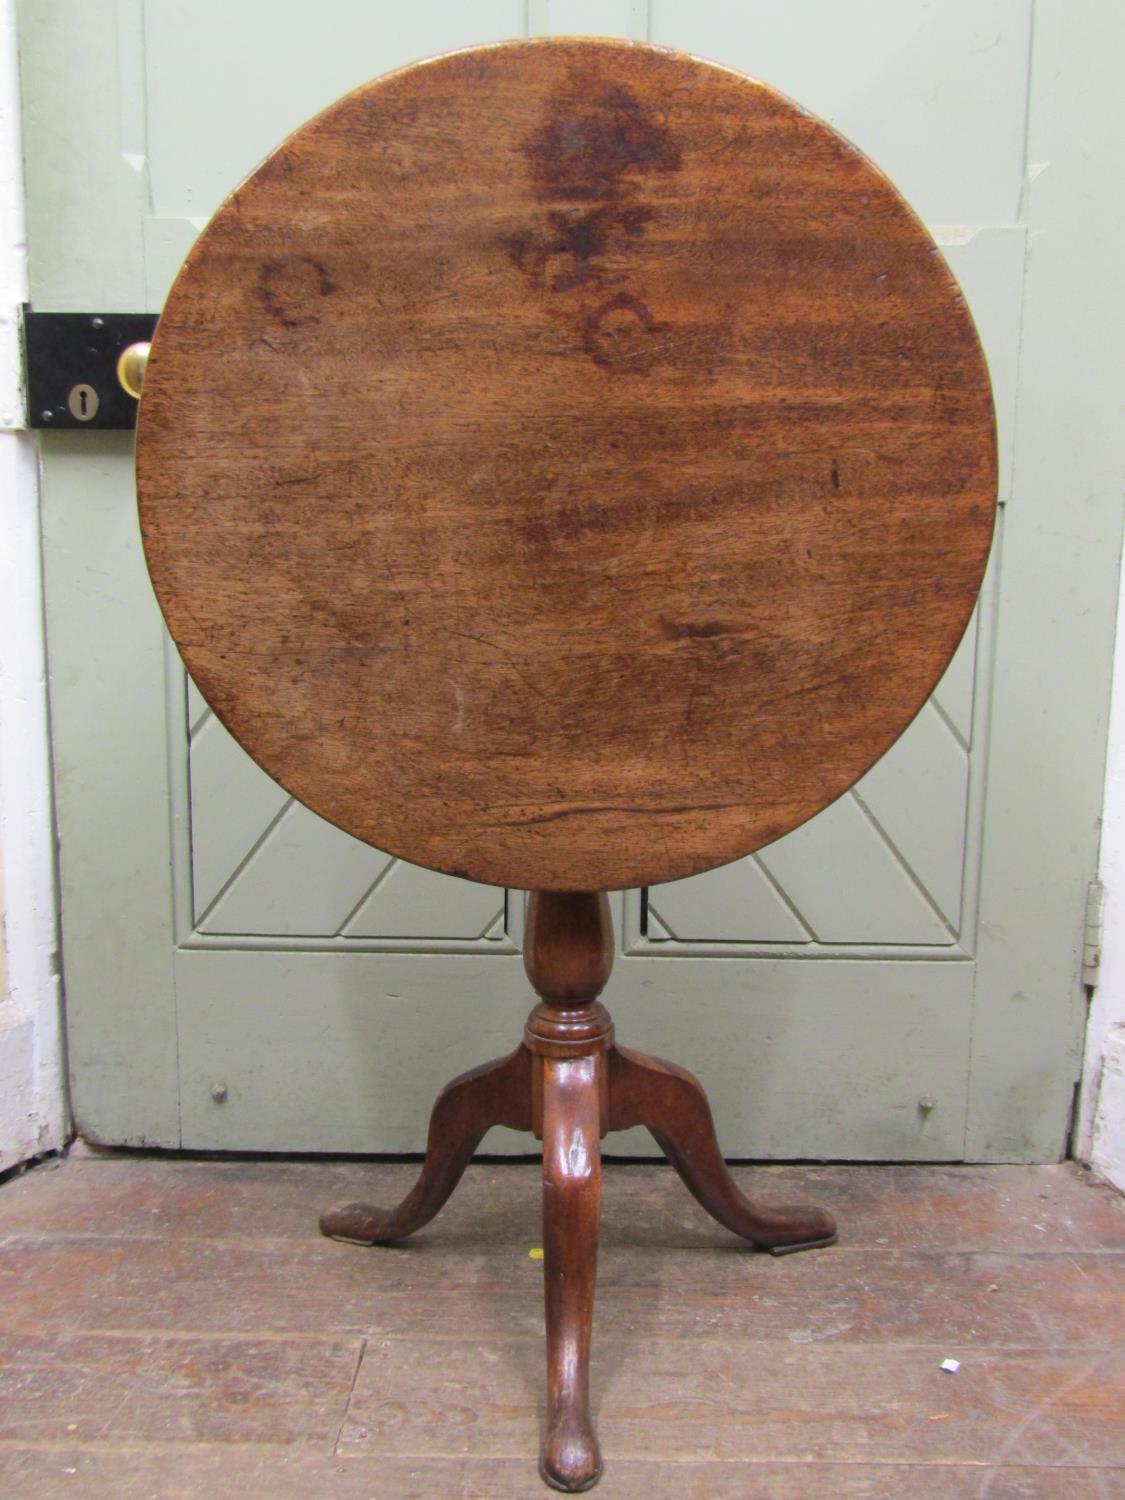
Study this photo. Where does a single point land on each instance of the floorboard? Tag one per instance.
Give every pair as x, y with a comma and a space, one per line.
177, 1328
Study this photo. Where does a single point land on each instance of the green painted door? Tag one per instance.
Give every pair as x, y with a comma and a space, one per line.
899, 978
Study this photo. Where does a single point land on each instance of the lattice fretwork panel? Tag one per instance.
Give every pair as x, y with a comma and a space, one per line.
265, 866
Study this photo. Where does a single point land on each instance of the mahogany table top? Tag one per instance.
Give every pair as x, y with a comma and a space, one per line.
568, 464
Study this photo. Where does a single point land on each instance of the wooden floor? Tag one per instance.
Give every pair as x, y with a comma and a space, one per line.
173, 1328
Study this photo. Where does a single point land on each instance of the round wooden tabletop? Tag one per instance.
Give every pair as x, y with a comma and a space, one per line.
567, 464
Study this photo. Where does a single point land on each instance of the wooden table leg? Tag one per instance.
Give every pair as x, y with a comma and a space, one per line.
496, 1093
572, 1179
671, 1103
568, 954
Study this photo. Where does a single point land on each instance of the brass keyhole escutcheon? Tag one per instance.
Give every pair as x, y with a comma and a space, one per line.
83, 403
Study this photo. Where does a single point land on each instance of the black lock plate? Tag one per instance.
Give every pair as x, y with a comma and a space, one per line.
71, 364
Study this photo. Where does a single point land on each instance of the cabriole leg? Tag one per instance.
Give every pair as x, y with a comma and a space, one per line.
496, 1093
572, 1175
671, 1103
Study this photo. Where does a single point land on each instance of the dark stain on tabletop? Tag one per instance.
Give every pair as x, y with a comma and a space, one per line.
288, 289
702, 630
616, 334
567, 252
594, 139
588, 164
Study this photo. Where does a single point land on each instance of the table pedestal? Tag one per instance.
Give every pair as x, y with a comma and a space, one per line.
569, 1083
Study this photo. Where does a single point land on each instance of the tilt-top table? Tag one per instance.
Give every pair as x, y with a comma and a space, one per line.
568, 465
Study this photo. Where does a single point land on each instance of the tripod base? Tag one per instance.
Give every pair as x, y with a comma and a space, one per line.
569, 1084
579, 1099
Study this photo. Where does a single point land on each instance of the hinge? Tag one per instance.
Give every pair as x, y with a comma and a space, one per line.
1092, 936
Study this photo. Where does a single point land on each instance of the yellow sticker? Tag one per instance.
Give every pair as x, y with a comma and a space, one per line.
536, 1254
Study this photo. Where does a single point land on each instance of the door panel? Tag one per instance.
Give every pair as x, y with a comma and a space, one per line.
226, 83
800, 1061
930, 92
917, 940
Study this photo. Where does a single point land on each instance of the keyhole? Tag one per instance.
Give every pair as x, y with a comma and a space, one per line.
83, 402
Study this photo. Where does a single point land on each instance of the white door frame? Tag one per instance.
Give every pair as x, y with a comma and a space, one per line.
33, 1116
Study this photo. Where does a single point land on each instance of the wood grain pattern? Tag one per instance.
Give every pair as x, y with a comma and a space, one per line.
178, 1328
570, 1459
98, 1387
488, 1291
226, 1472
954, 1210
567, 464
902, 1402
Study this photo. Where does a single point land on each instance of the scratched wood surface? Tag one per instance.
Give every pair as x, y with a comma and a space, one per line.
176, 1328
568, 464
